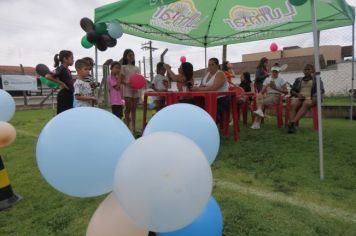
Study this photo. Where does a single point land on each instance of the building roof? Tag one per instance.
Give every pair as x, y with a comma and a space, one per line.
16, 70
294, 64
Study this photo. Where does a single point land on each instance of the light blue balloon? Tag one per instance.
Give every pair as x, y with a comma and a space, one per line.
190, 121
7, 106
209, 223
115, 30
78, 149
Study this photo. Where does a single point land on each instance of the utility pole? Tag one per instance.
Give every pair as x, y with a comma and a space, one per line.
144, 66
148, 46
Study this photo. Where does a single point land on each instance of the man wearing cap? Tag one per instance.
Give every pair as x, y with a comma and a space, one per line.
273, 87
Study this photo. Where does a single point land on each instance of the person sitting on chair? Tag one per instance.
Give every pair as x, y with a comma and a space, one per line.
273, 88
304, 96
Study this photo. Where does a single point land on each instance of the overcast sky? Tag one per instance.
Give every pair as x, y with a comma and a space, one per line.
32, 32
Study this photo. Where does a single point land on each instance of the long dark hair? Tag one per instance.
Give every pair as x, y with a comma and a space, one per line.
187, 69
60, 57
261, 64
246, 84
224, 66
124, 57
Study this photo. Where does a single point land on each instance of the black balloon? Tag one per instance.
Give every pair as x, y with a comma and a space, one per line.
92, 37
101, 44
42, 69
110, 42
86, 24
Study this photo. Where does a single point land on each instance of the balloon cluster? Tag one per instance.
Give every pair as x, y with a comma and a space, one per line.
42, 70
7, 108
102, 35
164, 189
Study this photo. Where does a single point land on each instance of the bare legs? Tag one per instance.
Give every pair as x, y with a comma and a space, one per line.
299, 108
130, 113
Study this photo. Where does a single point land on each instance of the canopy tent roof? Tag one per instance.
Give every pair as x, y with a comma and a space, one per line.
216, 22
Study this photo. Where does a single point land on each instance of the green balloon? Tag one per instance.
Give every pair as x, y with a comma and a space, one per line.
52, 84
43, 80
101, 28
49, 83
297, 2
86, 43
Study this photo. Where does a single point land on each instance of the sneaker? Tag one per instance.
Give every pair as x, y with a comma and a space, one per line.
255, 125
259, 112
291, 128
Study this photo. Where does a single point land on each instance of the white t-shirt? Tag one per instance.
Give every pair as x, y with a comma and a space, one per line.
158, 81
82, 88
279, 82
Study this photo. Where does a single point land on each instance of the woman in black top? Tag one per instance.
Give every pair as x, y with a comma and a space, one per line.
261, 73
63, 76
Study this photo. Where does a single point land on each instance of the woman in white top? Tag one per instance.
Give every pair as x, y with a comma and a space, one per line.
215, 80
131, 95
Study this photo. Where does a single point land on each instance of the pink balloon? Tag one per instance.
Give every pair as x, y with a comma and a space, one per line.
273, 47
137, 81
183, 59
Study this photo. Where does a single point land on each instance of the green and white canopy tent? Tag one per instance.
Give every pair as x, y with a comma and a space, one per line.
207, 23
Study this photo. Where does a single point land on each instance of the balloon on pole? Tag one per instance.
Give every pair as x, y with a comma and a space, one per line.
209, 223
163, 189
273, 47
110, 219
86, 169
115, 29
297, 3
7, 106
7, 134
85, 43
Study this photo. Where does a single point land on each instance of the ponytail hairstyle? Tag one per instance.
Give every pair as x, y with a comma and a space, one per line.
187, 69
59, 58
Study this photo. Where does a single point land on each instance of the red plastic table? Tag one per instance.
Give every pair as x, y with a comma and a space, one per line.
210, 98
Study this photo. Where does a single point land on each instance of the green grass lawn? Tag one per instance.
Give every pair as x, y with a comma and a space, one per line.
266, 184
338, 101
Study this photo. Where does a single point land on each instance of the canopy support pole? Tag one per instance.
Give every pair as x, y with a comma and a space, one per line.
317, 76
205, 57
96, 64
352, 72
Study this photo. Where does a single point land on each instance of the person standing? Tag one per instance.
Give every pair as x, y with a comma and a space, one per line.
114, 82
131, 95
261, 74
63, 76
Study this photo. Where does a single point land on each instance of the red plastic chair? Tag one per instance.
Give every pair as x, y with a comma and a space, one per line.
314, 112
278, 110
246, 106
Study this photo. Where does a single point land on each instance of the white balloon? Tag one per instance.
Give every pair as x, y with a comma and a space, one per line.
115, 30
7, 106
163, 181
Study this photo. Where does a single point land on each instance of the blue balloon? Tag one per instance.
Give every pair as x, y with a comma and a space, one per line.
190, 121
115, 29
209, 223
7, 106
78, 149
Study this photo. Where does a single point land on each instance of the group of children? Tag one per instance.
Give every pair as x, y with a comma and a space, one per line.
80, 91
